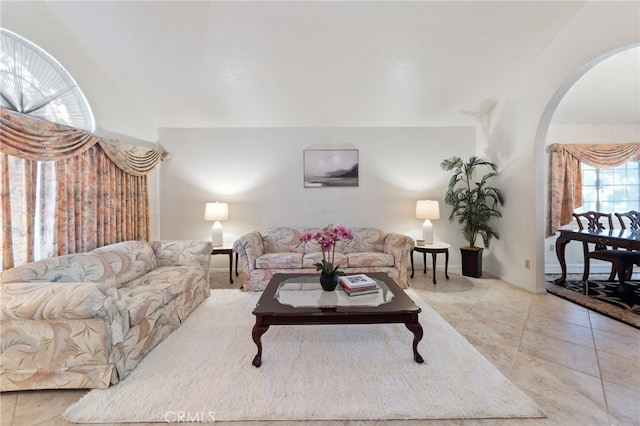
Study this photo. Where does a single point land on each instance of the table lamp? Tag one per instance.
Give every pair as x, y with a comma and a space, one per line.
217, 212
427, 210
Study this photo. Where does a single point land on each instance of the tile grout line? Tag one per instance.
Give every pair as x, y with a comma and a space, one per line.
467, 313
524, 327
604, 391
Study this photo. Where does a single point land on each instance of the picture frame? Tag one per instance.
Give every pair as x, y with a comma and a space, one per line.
331, 168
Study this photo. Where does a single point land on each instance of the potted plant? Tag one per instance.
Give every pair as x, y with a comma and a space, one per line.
474, 203
328, 237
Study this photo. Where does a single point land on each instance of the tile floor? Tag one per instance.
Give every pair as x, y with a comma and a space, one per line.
580, 367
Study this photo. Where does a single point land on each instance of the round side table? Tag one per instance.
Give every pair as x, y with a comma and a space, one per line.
434, 249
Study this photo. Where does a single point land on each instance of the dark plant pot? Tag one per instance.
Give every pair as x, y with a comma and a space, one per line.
471, 262
328, 281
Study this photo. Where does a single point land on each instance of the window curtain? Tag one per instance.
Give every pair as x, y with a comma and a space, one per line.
98, 203
65, 190
565, 177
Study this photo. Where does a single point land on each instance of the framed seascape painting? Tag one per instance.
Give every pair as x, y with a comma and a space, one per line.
330, 167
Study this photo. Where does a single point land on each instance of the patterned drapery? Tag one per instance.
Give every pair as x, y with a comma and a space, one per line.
65, 190
565, 178
135, 160
28, 137
97, 203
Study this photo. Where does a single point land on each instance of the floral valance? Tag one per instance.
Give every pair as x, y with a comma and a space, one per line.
28, 137
600, 155
565, 178
133, 159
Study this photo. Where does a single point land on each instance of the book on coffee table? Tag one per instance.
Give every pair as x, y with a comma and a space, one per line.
355, 285
361, 291
357, 281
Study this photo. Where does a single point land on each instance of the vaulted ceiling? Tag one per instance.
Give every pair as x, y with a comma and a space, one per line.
609, 93
209, 64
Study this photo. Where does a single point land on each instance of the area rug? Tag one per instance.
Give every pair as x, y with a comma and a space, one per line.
202, 372
603, 297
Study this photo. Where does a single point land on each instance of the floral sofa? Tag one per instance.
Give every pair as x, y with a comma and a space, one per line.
86, 320
279, 250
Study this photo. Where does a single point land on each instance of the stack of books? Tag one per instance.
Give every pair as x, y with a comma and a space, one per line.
355, 285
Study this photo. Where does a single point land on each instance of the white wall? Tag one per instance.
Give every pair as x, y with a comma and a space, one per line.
259, 173
519, 127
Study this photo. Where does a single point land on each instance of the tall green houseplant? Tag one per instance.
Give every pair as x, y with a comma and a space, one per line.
473, 203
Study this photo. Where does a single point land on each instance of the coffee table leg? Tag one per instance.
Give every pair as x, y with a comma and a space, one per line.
256, 334
416, 329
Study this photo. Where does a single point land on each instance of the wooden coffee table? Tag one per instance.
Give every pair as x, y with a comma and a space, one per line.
298, 299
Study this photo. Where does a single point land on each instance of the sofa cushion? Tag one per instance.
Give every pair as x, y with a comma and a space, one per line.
279, 261
366, 240
81, 267
282, 240
129, 259
310, 259
356, 260
153, 290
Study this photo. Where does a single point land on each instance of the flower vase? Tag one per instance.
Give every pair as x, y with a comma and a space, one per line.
328, 281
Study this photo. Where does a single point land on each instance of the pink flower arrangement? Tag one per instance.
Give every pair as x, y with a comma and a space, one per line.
328, 237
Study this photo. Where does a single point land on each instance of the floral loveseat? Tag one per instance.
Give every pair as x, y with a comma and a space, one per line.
278, 250
86, 320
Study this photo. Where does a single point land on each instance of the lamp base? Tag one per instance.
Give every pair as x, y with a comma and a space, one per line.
427, 232
216, 234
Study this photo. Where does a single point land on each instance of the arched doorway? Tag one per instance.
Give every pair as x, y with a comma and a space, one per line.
544, 249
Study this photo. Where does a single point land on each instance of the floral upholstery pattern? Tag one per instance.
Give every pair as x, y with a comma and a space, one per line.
83, 267
278, 250
279, 260
155, 289
370, 259
310, 259
283, 240
129, 259
86, 320
367, 240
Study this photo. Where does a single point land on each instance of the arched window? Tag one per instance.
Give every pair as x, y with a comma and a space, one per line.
63, 189
32, 82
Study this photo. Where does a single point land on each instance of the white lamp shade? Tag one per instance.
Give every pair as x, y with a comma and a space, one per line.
216, 211
427, 209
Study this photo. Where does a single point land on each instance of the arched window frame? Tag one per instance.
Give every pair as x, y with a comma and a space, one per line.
33, 82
